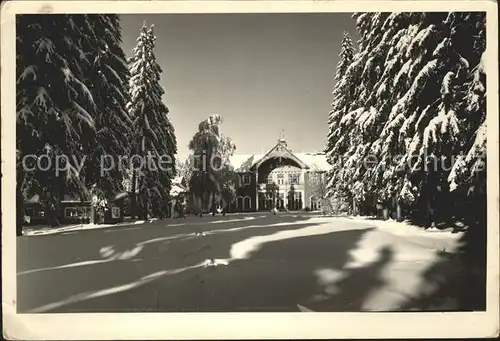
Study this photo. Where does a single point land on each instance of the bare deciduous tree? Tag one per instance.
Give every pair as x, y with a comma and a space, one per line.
318, 185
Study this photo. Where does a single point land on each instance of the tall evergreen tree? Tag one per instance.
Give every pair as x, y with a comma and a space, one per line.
71, 96
55, 107
346, 56
468, 175
108, 78
339, 92
408, 113
342, 91
154, 137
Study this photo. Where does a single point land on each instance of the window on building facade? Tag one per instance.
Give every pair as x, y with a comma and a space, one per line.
76, 212
38, 213
216, 163
247, 203
70, 212
115, 212
294, 179
270, 179
246, 179
239, 203
281, 179
316, 176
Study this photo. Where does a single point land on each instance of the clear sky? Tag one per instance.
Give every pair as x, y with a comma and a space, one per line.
261, 72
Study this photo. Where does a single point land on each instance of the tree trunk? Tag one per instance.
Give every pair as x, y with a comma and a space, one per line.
161, 209
198, 203
385, 213
428, 214
328, 205
210, 201
93, 215
143, 211
133, 204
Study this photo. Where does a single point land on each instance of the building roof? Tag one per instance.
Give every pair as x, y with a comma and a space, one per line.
315, 161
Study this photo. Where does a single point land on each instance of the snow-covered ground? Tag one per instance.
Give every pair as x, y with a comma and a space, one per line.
76, 227
400, 253
404, 228
413, 251
37, 231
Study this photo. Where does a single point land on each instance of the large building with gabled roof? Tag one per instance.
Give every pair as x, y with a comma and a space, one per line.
280, 179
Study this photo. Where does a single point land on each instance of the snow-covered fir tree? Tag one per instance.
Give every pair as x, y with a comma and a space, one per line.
346, 56
468, 176
108, 82
416, 81
55, 107
154, 136
342, 91
71, 97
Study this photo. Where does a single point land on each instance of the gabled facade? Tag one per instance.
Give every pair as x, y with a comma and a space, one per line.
279, 179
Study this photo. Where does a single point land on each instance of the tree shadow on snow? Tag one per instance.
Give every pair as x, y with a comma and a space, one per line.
276, 277
456, 281
153, 257
58, 249
350, 293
